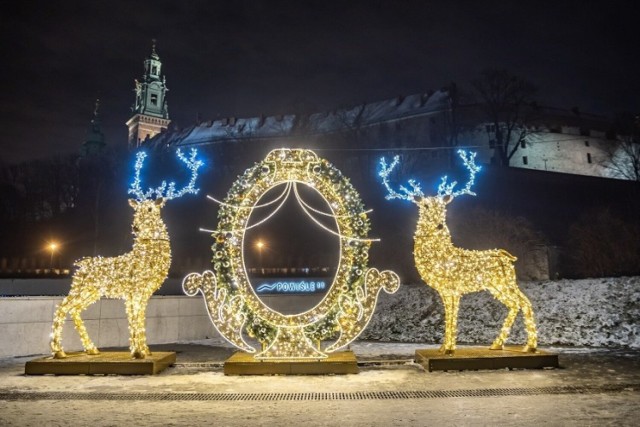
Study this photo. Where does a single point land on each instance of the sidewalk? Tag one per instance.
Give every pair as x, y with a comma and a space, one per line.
593, 387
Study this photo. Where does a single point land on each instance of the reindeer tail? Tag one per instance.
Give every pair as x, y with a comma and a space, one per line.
507, 255
83, 262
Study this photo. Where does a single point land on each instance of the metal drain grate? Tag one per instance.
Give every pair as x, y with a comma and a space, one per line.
199, 365
360, 395
216, 365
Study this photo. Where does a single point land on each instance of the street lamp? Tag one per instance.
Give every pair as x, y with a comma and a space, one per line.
52, 247
260, 245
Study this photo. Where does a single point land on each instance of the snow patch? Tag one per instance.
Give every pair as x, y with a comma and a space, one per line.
592, 312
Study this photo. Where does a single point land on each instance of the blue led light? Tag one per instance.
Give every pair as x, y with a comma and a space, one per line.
289, 287
166, 191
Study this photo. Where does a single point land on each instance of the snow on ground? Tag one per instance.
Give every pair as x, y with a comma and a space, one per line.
580, 313
592, 312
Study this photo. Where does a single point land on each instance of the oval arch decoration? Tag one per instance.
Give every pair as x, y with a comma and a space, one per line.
345, 309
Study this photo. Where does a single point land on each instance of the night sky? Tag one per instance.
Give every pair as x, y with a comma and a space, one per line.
227, 58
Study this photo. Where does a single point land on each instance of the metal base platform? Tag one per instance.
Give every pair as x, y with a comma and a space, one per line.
341, 363
107, 363
476, 358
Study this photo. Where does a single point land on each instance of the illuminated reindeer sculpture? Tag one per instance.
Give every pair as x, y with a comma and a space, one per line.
453, 271
134, 276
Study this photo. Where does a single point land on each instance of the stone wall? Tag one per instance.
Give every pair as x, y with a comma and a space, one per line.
26, 323
591, 312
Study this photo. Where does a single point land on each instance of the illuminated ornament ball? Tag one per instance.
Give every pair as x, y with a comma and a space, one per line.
233, 305
453, 271
134, 276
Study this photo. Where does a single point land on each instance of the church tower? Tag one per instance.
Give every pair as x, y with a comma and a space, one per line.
94, 143
150, 112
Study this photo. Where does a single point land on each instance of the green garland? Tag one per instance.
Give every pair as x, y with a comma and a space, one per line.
233, 214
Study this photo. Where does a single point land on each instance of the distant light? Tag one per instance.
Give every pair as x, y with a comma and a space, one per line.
53, 246
260, 244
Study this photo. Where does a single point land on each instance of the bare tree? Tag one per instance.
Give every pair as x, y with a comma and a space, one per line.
623, 158
479, 228
39, 189
508, 103
602, 243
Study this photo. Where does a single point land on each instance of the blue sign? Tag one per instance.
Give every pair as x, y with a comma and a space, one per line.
291, 286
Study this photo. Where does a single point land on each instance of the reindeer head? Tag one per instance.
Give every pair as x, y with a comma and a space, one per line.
432, 208
147, 222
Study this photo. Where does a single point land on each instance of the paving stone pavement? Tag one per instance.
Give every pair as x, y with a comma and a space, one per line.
593, 387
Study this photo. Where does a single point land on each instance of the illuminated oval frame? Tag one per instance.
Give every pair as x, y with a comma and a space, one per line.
353, 230
348, 304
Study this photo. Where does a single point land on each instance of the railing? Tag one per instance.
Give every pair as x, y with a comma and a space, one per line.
34, 267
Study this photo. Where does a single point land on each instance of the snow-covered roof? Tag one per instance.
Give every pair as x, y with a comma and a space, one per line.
268, 127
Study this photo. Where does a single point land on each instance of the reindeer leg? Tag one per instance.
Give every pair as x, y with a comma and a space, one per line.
141, 316
89, 346
58, 325
512, 301
451, 303
529, 324
498, 343
455, 305
80, 304
133, 329
137, 308
445, 307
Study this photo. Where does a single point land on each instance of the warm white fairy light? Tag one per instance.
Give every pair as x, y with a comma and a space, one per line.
265, 219
232, 302
134, 276
306, 209
454, 272
284, 193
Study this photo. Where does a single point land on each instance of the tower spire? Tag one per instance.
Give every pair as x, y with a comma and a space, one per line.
96, 118
94, 142
150, 110
154, 55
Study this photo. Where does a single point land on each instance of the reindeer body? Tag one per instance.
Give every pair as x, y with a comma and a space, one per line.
454, 272
133, 277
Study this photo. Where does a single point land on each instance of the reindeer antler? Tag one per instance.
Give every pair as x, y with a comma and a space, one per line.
469, 161
193, 164
135, 185
392, 194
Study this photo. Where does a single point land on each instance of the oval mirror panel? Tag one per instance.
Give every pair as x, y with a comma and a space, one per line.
291, 261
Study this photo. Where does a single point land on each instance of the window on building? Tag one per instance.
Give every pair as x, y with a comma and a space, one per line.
586, 143
523, 144
525, 160
588, 157
154, 70
154, 99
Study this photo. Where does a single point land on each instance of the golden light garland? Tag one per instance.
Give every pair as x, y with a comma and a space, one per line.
346, 308
454, 272
134, 276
